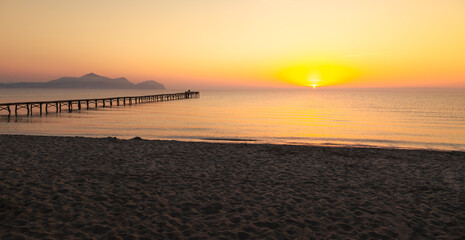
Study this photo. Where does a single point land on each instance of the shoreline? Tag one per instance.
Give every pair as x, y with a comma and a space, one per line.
255, 142
78, 187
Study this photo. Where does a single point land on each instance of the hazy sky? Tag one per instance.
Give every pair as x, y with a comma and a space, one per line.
219, 43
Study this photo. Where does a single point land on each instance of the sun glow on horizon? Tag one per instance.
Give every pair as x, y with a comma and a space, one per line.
317, 75
313, 81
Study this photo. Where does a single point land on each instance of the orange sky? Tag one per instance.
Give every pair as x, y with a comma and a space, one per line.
216, 43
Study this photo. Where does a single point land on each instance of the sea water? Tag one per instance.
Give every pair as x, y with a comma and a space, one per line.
398, 118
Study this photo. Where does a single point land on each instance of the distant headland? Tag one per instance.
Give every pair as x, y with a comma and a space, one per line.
90, 80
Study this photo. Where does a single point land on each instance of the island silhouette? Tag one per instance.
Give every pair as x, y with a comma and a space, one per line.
90, 80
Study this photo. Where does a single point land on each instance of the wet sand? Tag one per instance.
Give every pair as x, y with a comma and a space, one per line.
70, 187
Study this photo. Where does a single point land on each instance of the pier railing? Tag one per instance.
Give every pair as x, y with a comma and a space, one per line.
58, 105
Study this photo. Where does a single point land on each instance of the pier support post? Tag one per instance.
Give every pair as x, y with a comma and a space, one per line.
40, 108
9, 110
96, 104
79, 104
56, 105
103, 102
87, 104
16, 110
27, 106
70, 106
46, 108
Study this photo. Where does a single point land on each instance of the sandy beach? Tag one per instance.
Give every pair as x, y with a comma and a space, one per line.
108, 188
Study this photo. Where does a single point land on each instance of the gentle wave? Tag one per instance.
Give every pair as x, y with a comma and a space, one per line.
399, 119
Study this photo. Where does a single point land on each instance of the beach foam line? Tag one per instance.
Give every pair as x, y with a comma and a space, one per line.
229, 139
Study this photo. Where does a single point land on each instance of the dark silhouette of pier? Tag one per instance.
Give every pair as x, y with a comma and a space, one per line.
80, 104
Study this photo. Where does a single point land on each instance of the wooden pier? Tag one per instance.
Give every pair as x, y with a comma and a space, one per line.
80, 104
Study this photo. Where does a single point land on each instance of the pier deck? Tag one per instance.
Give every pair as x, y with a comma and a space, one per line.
80, 104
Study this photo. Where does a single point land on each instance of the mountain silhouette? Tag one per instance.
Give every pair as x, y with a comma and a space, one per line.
90, 80
150, 84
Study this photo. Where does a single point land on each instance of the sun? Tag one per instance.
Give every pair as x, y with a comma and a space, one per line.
313, 81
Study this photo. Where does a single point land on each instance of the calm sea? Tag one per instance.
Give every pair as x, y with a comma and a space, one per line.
399, 118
